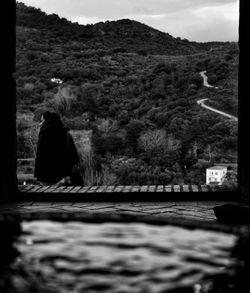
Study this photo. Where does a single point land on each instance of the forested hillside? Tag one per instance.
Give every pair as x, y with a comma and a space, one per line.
129, 93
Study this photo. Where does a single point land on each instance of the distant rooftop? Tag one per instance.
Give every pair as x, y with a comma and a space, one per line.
217, 168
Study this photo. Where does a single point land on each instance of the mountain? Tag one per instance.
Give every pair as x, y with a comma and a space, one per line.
126, 34
129, 92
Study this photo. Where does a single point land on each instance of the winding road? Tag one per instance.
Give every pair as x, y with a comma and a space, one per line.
205, 82
202, 101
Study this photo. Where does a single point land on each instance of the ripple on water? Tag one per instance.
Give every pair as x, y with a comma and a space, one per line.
116, 257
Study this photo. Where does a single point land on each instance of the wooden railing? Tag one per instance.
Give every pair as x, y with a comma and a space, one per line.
119, 188
126, 192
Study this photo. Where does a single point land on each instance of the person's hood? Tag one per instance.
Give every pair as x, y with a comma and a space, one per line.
54, 125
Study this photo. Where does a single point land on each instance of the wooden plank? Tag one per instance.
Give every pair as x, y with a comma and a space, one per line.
27, 187
75, 189
58, 189
50, 189
151, 188
110, 189
44, 188
119, 188
168, 188
34, 189
177, 188
127, 188
101, 188
135, 188
67, 189
21, 187
194, 188
92, 189
185, 188
84, 189
160, 188
204, 188
144, 188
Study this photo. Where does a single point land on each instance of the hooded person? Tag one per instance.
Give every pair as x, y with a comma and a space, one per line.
57, 159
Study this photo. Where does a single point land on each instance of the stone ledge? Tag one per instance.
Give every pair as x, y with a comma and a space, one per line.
126, 218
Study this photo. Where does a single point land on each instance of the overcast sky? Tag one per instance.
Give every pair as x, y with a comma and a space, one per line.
196, 20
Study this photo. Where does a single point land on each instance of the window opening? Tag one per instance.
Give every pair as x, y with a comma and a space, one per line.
151, 116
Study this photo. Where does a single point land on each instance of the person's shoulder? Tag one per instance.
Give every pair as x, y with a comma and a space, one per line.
68, 134
69, 137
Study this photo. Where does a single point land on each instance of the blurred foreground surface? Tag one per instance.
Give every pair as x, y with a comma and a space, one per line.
72, 256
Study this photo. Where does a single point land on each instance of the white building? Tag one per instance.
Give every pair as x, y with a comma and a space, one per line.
216, 175
56, 80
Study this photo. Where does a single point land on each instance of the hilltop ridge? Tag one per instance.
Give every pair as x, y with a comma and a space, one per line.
129, 35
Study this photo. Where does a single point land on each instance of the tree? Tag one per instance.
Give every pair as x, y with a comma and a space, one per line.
133, 131
153, 140
63, 99
157, 140
113, 143
210, 152
196, 79
195, 145
177, 125
173, 144
88, 94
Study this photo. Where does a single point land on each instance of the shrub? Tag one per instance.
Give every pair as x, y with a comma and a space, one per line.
113, 143
76, 123
123, 117
133, 131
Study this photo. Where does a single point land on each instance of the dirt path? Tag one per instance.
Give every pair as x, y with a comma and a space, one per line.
202, 101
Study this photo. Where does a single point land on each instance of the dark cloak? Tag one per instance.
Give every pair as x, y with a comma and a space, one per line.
56, 152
